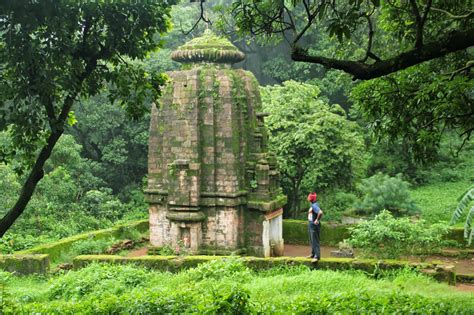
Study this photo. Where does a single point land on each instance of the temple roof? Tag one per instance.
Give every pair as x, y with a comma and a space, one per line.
208, 48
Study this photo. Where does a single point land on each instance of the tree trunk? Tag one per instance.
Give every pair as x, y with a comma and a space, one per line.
296, 202
29, 186
37, 172
295, 199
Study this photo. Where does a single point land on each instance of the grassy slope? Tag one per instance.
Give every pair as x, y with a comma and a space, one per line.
448, 180
274, 291
437, 201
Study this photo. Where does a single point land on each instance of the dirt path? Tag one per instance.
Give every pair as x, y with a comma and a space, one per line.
303, 251
138, 252
465, 287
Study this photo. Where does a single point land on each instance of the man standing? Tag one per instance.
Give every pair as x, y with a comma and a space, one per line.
314, 226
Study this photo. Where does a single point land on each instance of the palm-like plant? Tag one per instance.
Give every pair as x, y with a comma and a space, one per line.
464, 201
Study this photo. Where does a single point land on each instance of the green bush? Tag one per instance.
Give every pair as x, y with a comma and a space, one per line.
91, 246
436, 201
102, 289
334, 203
389, 237
101, 204
221, 268
385, 192
97, 279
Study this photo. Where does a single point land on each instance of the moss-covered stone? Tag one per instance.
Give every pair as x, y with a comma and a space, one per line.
465, 278
296, 232
56, 249
177, 263
25, 264
208, 48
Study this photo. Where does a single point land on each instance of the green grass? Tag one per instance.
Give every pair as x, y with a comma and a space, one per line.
230, 287
438, 201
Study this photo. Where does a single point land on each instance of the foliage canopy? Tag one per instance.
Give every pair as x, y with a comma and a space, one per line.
54, 52
422, 30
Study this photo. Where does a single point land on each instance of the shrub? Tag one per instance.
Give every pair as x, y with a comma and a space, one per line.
91, 246
385, 192
99, 289
12, 242
389, 237
101, 203
220, 268
97, 279
335, 203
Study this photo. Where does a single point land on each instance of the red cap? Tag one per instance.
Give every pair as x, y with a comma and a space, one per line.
312, 197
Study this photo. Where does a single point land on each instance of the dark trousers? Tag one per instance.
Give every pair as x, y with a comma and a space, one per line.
314, 230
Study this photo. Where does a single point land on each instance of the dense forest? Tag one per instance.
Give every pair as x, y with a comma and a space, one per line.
370, 104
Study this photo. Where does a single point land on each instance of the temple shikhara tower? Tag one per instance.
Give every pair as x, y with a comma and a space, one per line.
212, 184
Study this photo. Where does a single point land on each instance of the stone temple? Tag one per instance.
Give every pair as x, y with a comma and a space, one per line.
212, 184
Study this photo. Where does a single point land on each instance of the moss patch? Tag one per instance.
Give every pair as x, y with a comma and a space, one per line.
25, 264
56, 249
296, 232
177, 263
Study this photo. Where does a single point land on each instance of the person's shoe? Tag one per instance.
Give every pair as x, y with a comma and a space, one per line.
309, 256
315, 260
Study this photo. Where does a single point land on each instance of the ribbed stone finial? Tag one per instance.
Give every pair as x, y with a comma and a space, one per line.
208, 48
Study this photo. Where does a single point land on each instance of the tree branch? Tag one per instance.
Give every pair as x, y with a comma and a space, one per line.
48, 105
419, 24
310, 16
451, 42
201, 18
368, 52
452, 16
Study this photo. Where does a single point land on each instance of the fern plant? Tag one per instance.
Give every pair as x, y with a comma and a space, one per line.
464, 201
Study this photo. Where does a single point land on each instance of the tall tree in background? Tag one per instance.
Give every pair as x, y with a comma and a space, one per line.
53, 52
316, 146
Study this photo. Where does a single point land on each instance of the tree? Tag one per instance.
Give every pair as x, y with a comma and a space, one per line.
53, 52
118, 146
316, 146
381, 192
418, 105
423, 30
417, 50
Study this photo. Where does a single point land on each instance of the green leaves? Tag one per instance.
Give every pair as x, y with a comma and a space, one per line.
316, 146
384, 192
465, 200
52, 50
71, 119
389, 237
418, 105
343, 24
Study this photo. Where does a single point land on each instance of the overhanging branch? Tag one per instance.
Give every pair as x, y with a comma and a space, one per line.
451, 42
